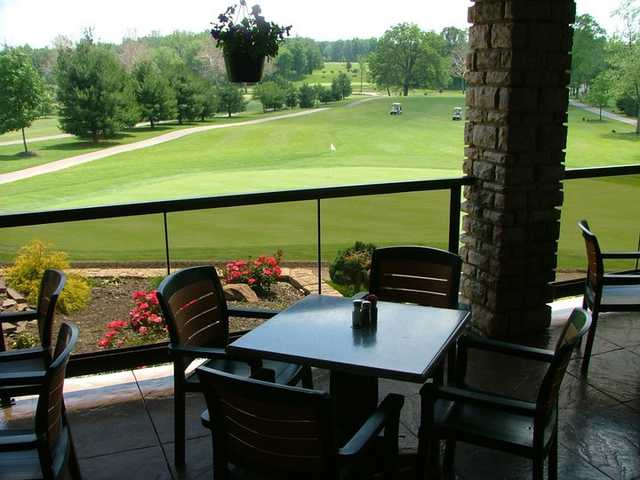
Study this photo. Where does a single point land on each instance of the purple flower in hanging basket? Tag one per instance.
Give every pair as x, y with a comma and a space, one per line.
253, 34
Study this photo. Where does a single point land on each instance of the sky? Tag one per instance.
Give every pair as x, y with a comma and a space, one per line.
38, 22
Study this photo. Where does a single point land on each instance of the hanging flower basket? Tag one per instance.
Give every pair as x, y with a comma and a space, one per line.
243, 67
248, 42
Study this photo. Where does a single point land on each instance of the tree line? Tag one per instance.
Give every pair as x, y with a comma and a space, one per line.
606, 68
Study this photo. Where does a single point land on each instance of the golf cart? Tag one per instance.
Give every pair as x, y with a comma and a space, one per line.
457, 113
396, 109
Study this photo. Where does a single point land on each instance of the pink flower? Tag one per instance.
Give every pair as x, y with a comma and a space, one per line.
104, 342
117, 324
143, 330
267, 271
251, 281
138, 294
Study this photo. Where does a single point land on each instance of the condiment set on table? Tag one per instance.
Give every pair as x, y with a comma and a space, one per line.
365, 312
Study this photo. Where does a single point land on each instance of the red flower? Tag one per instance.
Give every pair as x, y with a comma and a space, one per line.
251, 281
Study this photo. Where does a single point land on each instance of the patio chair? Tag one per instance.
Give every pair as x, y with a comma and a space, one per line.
46, 451
606, 292
290, 432
33, 359
457, 413
195, 310
422, 275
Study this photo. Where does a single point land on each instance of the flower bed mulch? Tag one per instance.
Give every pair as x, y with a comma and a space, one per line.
111, 299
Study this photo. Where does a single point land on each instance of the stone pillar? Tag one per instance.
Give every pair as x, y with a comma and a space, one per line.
518, 75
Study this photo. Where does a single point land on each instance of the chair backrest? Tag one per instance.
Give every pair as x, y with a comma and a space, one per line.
577, 325
268, 427
595, 265
194, 307
50, 409
411, 274
51, 286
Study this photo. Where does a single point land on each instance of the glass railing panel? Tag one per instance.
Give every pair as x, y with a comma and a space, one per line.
611, 205
219, 236
110, 260
416, 218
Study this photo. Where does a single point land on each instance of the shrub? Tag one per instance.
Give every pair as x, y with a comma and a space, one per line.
145, 324
260, 274
24, 340
351, 266
26, 273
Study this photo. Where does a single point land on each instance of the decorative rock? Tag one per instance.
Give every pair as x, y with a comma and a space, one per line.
239, 292
11, 293
9, 303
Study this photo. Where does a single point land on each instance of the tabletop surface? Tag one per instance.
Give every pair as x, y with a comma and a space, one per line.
405, 345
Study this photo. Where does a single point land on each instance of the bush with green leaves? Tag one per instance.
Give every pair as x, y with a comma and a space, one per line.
351, 266
30, 264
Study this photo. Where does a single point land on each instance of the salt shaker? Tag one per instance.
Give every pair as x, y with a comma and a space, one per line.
356, 315
365, 313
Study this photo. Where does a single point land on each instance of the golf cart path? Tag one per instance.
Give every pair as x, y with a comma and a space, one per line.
612, 116
108, 152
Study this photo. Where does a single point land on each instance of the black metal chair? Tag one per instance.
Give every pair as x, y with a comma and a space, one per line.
290, 432
15, 362
606, 292
47, 451
457, 413
195, 310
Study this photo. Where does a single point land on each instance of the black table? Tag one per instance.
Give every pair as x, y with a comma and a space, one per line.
408, 343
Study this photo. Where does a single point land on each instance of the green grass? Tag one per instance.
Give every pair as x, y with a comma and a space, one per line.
42, 127
12, 159
325, 75
294, 153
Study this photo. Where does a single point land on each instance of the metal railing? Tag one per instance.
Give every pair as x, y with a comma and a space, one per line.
148, 354
144, 355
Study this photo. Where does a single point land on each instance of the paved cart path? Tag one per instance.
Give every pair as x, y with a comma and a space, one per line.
612, 116
108, 152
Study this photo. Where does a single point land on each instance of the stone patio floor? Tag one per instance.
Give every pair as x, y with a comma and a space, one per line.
122, 423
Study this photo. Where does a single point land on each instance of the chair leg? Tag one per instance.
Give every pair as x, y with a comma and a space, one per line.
74, 466
538, 468
423, 448
179, 412
449, 459
307, 378
433, 459
590, 339
553, 458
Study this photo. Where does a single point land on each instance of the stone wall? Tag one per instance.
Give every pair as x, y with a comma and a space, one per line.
518, 73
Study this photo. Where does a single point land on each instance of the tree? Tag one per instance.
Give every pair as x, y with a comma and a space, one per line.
21, 93
230, 99
307, 96
600, 92
284, 62
291, 95
588, 53
96, 97
626, 73
207, 101
348, 66
271, 94
408, 57
324, 94
456, 48
341, 86
185, 87
154, 95
299, 59
629, 13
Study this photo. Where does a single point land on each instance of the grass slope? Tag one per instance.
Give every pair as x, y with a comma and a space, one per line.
42, 127
371, 146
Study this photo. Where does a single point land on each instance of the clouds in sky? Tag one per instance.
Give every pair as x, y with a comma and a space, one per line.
38, 22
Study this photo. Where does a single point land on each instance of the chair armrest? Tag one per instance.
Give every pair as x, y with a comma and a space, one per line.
387, 412
18, 316
212, 353
22, 378
359, 296
513, 349
620, 255
252, 313
620, 279
476, 397
18, 440
22, 354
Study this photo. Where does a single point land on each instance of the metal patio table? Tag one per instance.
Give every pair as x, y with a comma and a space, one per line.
408, 343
